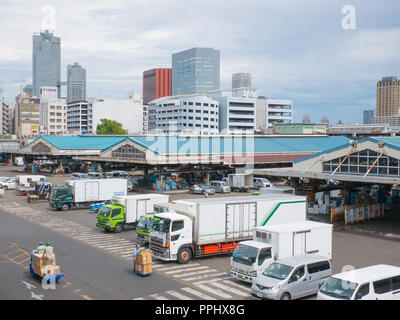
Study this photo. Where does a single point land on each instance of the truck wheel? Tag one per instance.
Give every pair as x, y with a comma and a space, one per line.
65, 207
184, 255
285, 296
118, 228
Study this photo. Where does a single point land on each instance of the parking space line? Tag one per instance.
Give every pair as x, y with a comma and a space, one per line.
198, 294
178, 295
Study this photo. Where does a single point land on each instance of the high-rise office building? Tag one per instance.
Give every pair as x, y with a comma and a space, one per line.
195, 70
156, 84
388, 97
368, 115
240, 80
4, 117
76, 83
46, 62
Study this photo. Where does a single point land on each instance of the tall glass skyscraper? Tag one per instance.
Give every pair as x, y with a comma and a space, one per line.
195, 70
76, 83
46, 62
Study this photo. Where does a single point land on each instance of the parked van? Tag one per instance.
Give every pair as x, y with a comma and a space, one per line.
95, 175
379, 282
117, 174
220, 186
259, 183
292, 278
19, 161
78, 175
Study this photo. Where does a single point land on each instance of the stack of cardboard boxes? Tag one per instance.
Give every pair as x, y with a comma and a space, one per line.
39, 265
143, 263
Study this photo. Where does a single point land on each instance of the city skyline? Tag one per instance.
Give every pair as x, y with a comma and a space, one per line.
301, 53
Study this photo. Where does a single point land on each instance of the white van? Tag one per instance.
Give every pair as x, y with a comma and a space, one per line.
259, 183
379, 282
220, 186
26, 180
292, 278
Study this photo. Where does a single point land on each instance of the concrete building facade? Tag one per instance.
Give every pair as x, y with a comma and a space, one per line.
4, 118
79, 117
76, 83
56, 117
273, 111
156, 84
388, 97
129, 112
195, 70
184, 114
367, 116
27, 116
240, 80
237, 109
46, 62
47, 94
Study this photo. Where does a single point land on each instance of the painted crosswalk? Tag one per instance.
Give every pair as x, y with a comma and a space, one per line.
200, 281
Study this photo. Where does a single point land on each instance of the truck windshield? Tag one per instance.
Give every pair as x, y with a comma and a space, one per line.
104, 211
144, 222
161, 225
245, 254
278, 271
338, 288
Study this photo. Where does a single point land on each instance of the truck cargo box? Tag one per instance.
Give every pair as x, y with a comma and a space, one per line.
233, 218
88, 190
138, 205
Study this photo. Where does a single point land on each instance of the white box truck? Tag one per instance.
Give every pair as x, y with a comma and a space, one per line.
202, 227
26, 183
125, 211
82, 193
276, 242
241, 182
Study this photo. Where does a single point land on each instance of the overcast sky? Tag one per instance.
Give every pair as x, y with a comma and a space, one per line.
294, 49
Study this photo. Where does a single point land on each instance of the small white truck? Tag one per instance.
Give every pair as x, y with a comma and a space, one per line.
241, 182
82, 193
203, 227
276, 242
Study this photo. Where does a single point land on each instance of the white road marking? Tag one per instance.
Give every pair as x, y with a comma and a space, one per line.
198, 294
229, 289
214, 291
179, 267
243, 287
204, 276
186, 270
193, 273
178, 295
158, 297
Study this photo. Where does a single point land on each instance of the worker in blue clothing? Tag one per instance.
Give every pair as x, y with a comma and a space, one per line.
135, 254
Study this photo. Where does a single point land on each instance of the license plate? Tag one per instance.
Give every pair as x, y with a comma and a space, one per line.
259, 295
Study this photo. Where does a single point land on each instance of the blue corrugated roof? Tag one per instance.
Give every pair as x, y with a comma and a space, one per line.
391, 142
82, 142
185, 145
182, 145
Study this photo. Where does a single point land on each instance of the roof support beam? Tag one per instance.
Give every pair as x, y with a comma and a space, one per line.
373, 165
351, 151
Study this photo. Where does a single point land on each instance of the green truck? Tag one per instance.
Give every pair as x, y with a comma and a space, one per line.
126, 211
83, 193
143, 228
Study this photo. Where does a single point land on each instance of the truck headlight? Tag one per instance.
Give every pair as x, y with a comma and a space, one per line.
253, 273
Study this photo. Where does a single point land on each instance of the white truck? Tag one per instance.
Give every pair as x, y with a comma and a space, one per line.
241, 182
126, 211
203, 227
276, 242
26, 183
82, 193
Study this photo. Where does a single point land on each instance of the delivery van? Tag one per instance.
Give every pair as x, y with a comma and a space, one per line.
292, 278
378, 282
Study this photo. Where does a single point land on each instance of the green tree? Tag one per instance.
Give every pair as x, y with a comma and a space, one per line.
110, 127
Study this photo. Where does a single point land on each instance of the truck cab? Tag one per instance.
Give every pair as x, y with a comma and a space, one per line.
143, 228
61, 197
250, 258
111, 217
171, 237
